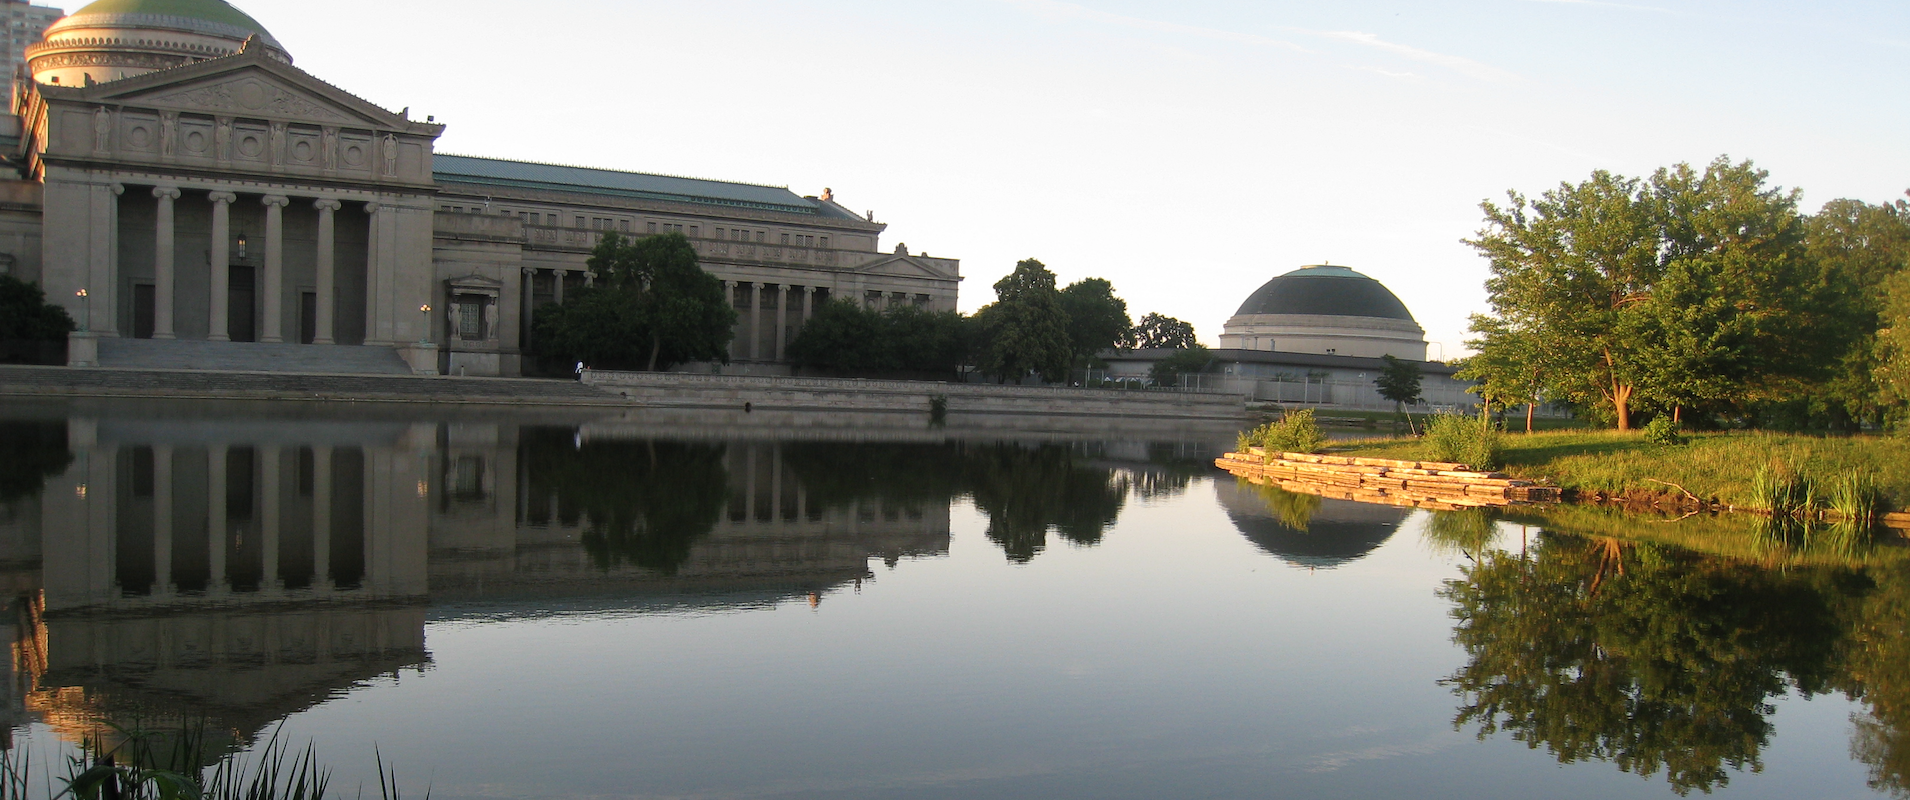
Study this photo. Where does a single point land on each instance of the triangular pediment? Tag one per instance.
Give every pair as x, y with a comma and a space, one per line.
905, 267
244, 85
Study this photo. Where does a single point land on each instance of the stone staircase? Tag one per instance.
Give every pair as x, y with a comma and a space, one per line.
249, 357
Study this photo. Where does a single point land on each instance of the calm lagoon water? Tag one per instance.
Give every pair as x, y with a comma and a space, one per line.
732, 606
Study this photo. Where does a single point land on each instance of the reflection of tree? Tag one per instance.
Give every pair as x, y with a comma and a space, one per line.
1876, 657
1025, 490
1662, 661
1293, 509
647, 502
1466, 531
30, 452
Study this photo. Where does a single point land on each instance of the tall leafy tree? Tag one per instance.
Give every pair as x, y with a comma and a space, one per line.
1026, 329
1097, 320
1158, 331
653, 306
1857, 248
1575, 267
1892, 370
1507, 367
1186, 361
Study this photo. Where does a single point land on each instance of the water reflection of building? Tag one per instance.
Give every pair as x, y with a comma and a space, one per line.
1305, 530
244, 569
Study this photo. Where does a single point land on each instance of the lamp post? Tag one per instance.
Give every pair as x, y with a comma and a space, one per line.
86, 310
424, 333
241, 247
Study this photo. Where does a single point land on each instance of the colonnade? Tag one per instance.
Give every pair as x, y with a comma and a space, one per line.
272, 281
754, 348
218, 531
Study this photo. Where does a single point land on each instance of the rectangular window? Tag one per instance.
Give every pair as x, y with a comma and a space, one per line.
652, 227
825, 242
580, 222
623, 225
470, 321
759, 237
921, 301
693, 231
872, 298
785, 240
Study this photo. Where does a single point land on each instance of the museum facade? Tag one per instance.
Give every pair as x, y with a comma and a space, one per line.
186, 192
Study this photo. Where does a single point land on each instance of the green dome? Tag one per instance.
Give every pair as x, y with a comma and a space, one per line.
214, 11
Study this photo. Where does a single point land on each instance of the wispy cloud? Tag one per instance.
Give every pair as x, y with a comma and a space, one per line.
1603, 3
1460, 64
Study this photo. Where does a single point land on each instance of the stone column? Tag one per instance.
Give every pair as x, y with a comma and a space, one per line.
221, 264
755, 321
782, 318
216, 531
808, 303
274, 283
327, 267
373, 265
269, 501
162, 520
529, 303
557, 291
321, 518
164, 278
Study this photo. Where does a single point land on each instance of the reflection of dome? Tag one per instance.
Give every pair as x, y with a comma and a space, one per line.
1324, 309
1338, 531
112, 39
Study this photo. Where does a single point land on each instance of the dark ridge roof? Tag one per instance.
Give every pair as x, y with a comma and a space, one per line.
556, 177
1326, 291
1281, 357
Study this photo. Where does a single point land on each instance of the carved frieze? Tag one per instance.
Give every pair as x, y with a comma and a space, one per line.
140, 60
251, 96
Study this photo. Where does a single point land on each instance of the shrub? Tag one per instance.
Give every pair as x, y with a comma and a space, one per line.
1453, 438
25, 314
1662, 431
1294, 432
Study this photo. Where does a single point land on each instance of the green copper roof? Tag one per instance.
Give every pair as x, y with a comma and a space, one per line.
208, 10
448, 168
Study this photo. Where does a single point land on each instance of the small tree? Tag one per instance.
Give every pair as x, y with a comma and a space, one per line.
653, 305
25, 315
1097, 320
1507, 367
1157, 331
1190, 361
1398, 381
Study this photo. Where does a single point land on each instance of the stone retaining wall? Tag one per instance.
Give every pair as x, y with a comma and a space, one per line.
675, 389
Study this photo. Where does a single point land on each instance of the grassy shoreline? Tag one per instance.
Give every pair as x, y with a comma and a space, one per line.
1714, 467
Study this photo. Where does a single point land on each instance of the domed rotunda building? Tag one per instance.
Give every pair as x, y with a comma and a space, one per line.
1326, 310
114, 39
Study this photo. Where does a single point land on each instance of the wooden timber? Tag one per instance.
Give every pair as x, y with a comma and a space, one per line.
1418, 484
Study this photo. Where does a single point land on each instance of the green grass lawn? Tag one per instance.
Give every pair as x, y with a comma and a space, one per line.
1713, 466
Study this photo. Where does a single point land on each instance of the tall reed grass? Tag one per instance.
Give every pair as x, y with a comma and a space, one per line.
135, 764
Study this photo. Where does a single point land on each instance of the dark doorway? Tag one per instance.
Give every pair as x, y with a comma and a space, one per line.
143, 304
241, 306
307, 317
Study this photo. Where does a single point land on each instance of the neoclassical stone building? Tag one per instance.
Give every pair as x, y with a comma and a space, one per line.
196, 200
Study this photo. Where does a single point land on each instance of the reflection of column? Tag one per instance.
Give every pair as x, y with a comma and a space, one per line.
782, 317
216, 532
269, 488
749, 484
321, 517
164, 279
327, 266
274, 267
221, 264
162, 520
775, 482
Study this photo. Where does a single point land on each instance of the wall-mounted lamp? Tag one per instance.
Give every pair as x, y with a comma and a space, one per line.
424, 333
241, 245
86, 322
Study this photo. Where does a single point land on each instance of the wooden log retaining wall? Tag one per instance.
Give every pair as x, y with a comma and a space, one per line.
1418, 484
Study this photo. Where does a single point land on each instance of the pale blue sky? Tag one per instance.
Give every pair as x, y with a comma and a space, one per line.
1187, 151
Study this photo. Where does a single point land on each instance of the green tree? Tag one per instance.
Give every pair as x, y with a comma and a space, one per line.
1097, 320
654, 306
1574, 268
25, 315
647, 502
1858, 247
1026, 329
1506, 366
1734, 289
1892, 368
1156, 331
1398, 381
842, 335
1185, 361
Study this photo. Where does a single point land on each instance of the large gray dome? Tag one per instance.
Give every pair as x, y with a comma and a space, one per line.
1325, 291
